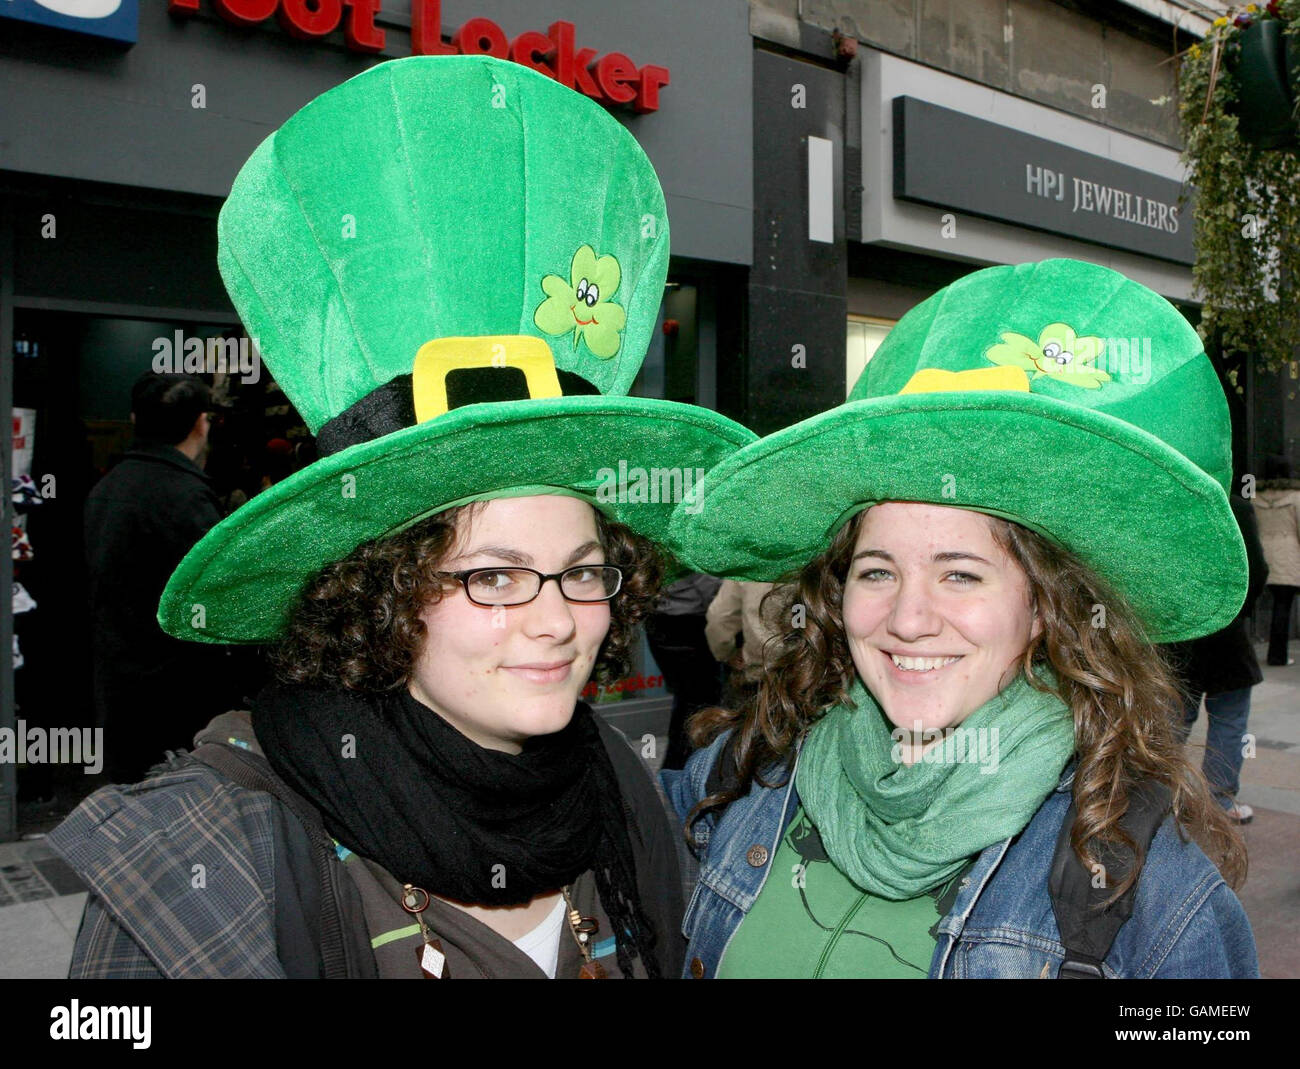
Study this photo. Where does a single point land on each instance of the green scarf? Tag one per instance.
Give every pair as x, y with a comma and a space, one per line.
898, 830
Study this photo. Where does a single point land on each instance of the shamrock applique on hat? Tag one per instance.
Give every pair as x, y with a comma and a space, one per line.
457, 299
991, 395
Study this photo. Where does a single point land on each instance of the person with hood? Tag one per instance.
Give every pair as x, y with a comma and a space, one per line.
457, 303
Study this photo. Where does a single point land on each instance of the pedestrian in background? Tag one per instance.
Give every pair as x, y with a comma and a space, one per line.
1277, 508
1223, 668
152, 692
737, 614
675, 633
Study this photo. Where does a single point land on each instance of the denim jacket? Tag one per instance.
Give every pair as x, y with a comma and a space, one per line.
1186, 921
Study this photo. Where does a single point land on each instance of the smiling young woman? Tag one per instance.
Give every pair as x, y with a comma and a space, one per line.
974, 565
498, 671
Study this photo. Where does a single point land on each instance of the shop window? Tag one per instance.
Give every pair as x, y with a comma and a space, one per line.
865, 333
671, 366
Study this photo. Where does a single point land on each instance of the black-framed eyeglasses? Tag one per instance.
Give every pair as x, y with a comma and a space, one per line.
583, 583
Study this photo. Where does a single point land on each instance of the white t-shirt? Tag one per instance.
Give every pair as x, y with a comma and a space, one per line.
542, 944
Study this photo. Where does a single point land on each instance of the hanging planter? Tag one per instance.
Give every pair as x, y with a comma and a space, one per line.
1257, 61
1291, 54
1237, 106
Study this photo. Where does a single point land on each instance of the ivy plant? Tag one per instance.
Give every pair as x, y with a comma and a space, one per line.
1247, 213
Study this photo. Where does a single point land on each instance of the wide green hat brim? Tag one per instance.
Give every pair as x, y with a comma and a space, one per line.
1149, 521
239, 582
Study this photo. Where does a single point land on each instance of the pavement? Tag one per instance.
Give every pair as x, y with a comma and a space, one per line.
41, 900
1270, 783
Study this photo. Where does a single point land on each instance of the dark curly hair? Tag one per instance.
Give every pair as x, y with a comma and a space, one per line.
357, 623
1120, 690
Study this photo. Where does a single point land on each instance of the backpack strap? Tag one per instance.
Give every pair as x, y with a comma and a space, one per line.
254, 772
1088, 928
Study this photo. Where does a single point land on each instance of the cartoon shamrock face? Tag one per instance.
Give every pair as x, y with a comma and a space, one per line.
1059, 353
583, 304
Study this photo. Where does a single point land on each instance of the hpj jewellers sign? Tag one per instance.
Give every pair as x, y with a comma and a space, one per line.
951, 160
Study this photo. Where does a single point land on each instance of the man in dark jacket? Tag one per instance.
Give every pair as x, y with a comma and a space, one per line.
152, 692
1224, 668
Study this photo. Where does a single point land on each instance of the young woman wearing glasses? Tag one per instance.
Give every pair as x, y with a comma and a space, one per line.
421, 793
427, 706
494, 615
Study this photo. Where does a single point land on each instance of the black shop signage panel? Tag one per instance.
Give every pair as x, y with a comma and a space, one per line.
954, 161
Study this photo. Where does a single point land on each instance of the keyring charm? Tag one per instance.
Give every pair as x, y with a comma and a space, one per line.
411, 899
583, 928
433, 962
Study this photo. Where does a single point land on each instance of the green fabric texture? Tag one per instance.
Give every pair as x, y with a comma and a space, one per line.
239, 582
810, 921
431, 197
438, 197
899, 830
1126, 468
953, 329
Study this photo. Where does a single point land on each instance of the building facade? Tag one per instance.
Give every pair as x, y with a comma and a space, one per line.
122, 126
828, 164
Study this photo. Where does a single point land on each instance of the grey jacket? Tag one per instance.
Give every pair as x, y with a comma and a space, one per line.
191, 875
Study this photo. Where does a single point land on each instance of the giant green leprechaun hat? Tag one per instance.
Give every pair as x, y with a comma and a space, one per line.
452, 266
1060, 395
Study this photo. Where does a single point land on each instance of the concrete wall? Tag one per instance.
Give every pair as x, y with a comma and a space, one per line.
1039, 49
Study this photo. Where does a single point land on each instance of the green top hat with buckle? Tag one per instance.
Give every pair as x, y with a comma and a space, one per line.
1060, 395
453, 267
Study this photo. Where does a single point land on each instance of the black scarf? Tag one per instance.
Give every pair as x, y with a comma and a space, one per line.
396, 783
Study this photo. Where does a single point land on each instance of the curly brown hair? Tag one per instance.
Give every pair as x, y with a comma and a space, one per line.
1117, 685
357, 622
